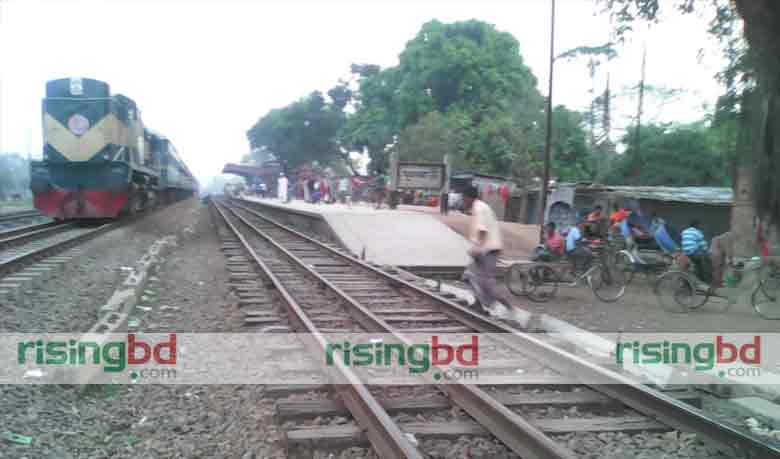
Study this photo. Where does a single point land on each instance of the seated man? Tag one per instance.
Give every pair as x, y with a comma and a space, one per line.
554, 245
580, 255
618, 215
595, 215
594, 226
694, 246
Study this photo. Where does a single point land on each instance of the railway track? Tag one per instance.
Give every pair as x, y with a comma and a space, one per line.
20, 234
324, 290
22, 215
21, 249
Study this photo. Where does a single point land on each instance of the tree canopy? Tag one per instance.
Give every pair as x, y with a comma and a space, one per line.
472, 75
460, 89
303, 131
684, 155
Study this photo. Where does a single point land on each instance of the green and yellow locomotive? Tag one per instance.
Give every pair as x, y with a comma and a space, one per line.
98, 158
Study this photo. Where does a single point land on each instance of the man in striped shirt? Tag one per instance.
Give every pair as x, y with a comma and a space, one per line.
695, 247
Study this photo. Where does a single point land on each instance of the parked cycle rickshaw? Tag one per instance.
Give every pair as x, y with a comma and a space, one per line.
539, 280
680, 290
642, 257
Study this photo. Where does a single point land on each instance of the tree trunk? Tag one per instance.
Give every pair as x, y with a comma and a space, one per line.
762, 30
743, 213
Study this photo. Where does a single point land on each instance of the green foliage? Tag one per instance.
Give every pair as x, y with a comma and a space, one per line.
751, 72
469, 73
687, 155
606, 51
460, 89
304, 131
464, 65
572, 159
434, 136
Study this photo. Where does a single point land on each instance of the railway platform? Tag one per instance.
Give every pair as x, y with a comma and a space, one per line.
401, 238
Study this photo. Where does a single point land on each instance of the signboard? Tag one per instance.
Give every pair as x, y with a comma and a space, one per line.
420, 176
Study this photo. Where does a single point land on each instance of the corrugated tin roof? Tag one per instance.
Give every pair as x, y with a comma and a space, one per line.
698, 195
467, 175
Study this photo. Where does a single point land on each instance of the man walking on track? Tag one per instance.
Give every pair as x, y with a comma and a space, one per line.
485, 235
282, 192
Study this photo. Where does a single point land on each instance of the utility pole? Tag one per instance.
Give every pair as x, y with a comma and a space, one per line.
638, 138
548, 139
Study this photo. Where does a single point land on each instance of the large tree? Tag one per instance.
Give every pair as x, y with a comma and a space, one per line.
303, 131
470, 73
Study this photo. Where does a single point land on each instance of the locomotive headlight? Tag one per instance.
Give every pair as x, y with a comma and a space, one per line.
76, 87
78, 124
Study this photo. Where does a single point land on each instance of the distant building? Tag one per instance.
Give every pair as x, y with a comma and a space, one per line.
268, 172
677, 205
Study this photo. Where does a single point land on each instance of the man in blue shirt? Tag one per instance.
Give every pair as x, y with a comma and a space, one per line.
579, 255
694, 246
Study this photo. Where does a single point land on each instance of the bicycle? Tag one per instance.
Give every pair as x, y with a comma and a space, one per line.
647, 262
679, 290
539, 281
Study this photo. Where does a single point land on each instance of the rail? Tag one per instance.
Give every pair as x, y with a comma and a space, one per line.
643, 399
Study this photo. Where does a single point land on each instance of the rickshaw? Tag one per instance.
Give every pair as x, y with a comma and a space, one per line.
539, 280
680, 290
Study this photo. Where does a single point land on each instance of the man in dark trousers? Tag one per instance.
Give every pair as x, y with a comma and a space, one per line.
444, 205
485, 236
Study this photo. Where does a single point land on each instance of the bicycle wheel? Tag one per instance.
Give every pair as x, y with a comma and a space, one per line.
765, 298
608, 284
676, 291
542, 283
516, 280
624, 263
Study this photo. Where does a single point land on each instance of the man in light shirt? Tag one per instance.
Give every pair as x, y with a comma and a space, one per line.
282, 187
485, 236
580, 255
344, 197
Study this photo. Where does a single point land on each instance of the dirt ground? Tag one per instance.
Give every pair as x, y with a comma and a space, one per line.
640, 311
187, 294
637, 311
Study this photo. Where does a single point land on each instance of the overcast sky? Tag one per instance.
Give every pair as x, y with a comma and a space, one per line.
203, 72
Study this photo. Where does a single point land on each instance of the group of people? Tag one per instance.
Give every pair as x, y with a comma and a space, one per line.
315, 190
318, 189
689, 246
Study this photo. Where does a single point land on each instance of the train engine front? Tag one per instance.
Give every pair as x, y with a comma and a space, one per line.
96, 159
